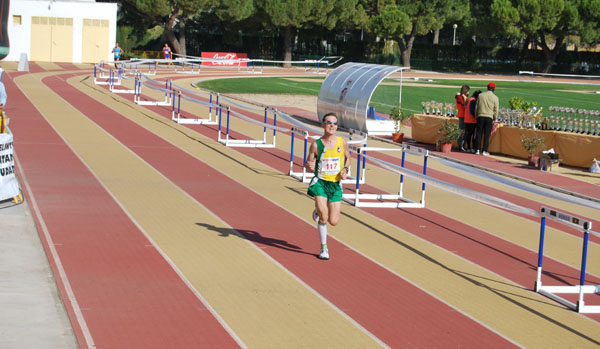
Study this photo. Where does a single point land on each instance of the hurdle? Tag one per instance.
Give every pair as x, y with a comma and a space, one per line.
582, 288
194, 121
102, 73
301, 176
168, 89
182, 62
359, 199
111, 87
134, 64
253, 62
317, 64
304, 176
248, 143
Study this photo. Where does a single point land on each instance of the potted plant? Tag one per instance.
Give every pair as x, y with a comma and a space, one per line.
531, 146
400, 120
448, 132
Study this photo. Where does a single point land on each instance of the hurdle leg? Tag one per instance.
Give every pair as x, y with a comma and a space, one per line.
356, 198
265, 128
538, 282
274, 127
304, 156
580, 302
228, 114
292, 153
402, 175
425, 174
220, 118
210, 107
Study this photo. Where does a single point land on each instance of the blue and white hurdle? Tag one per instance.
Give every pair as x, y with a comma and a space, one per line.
251, 65
168, 90
398, 200
190, 66
121, 76
582, 288
176, 116
301, 176
103, 76
224, 138
317, 66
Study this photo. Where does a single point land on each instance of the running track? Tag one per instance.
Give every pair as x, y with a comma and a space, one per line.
396, 278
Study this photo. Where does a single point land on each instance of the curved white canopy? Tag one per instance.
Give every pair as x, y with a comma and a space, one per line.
347, 91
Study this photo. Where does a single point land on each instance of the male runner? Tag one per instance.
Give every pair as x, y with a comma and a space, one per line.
167, 53
327, 157
116, 53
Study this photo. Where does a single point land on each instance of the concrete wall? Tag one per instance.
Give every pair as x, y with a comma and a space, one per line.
20, 35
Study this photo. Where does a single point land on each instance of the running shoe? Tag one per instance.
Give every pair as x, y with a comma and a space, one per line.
324, 253
315, 215
485, 153
477, 152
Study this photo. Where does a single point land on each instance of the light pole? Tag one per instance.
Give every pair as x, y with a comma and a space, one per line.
454, 37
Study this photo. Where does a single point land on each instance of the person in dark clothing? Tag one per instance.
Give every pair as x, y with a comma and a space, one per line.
470, 122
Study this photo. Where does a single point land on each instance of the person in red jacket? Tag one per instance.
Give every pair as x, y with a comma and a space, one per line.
470, 122
461, 101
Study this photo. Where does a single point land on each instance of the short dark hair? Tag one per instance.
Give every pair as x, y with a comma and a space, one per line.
328, 114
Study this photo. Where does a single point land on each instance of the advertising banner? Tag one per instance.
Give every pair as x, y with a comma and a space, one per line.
9, 186
224, 59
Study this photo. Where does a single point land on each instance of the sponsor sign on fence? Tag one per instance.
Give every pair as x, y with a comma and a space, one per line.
224, 59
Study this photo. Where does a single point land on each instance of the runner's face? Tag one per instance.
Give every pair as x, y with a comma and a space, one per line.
330, 124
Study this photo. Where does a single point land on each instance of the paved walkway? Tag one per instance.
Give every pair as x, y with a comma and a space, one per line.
32, 315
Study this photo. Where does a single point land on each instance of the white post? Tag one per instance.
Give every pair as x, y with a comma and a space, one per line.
454, 37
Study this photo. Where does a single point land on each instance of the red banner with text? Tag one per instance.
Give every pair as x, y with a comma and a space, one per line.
227, 58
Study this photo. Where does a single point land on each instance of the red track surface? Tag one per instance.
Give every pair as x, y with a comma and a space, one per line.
129, 295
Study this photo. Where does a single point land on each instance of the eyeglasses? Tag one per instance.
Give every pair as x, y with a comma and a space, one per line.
330, 123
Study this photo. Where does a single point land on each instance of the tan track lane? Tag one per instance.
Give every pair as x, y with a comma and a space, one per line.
509, 309
211, 263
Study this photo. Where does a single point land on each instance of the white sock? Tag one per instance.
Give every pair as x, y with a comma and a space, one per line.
322, 227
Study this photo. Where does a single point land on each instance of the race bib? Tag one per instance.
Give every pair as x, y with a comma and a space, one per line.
330, 166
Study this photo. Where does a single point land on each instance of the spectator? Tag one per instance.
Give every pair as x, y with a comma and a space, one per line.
461, 101
470, 122
486, 112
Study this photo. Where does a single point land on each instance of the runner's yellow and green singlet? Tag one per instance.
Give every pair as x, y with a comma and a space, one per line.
330, 161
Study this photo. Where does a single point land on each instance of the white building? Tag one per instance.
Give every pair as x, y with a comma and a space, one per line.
78, 31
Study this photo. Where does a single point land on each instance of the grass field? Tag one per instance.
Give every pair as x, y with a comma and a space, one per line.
414, 92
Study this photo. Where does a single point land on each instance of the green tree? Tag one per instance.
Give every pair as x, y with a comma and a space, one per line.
547, 23
457, 10
404, 20
291, 15
590, 15
172, 15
